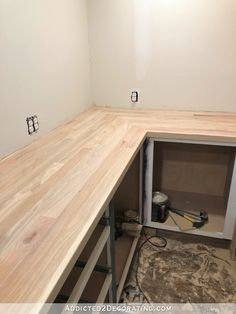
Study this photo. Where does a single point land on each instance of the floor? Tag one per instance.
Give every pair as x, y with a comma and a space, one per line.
187, 270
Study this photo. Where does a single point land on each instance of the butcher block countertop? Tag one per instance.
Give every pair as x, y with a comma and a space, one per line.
54, 191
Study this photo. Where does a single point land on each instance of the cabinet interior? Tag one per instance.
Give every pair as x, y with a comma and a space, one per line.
195, 177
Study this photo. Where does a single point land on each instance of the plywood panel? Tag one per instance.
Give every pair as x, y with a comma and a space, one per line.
127, 195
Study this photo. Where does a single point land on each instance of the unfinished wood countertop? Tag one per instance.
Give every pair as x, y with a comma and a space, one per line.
54, 191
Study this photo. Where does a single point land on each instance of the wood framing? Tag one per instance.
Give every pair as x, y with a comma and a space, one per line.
104, 290
86, 273
126, 268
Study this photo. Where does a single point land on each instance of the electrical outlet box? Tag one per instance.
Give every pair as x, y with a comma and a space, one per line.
134, 96
32, 124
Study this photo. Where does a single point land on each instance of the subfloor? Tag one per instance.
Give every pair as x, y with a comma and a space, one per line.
187, 270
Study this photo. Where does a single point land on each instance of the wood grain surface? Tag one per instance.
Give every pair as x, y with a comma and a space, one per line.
54, 191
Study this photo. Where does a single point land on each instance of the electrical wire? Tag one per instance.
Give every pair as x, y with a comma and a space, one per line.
147, 240
157, 246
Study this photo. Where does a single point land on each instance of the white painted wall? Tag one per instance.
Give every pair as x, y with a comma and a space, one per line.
44, 66
180, 54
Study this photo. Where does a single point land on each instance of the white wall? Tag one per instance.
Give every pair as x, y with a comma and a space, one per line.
180, 54
44, 66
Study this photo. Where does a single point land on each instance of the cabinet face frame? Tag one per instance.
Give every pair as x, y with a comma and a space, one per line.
230, 216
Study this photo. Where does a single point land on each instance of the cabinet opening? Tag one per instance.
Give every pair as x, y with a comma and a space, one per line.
195, 177
127, 197
127, 194
91, 292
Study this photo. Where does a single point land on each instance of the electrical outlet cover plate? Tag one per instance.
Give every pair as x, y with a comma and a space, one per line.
134, 96
33, 124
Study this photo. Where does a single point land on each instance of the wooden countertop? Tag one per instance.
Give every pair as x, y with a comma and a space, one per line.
54, 191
